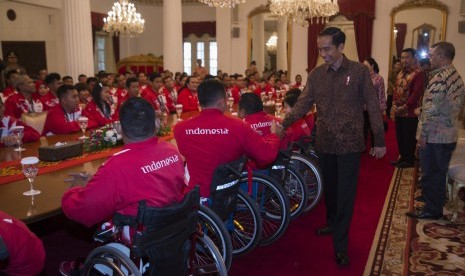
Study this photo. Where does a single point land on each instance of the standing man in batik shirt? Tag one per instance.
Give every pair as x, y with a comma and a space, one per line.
341, 88
408, 91
437, 134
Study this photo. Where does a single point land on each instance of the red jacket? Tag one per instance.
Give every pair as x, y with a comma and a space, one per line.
95, 115
17, 104
302, 127
189, 100
27, 254
153, 98
9, 91
7, 123
261, 122
211, 139
236, 94
171, 99
153, 170
59, 123
122, 95
49, 101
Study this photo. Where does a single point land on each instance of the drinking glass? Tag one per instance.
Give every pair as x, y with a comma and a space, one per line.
117, 127
230, 103
83, 123
30, 167
279, 106
263, 96
278, 94
179, 111
18, 133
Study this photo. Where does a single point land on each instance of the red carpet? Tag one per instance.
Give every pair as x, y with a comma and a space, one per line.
299, 252
302, 252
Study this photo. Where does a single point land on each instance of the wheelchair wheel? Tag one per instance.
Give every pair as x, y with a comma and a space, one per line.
207, 259
215, 229
245, 226
312, 177
272, 203
295, 189
107, 260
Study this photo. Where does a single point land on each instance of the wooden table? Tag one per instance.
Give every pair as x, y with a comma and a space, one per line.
52, 185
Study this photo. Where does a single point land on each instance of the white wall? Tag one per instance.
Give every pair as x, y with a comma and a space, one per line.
35, 23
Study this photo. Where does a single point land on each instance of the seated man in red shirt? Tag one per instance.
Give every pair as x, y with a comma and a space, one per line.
7, 123
50, 100
153, 171
300, 128
251, 110
62, 119
21, 252
188, 96
23, 101
9, 79
211, 138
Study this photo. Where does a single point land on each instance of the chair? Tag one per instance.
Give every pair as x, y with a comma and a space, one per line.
166, 242
35, 120
456, 178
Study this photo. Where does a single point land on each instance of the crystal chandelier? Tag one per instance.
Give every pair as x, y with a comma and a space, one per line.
272, 43
222, 3
123, 19
303, 11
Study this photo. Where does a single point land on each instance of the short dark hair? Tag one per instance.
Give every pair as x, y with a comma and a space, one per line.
412, 51
67, 78
63, 90
154, 76
373, 63
131, 80
11, 72
292, 96
50, 78
166, 78
91, 79
210, 91
337, 35
82, 75
447, 49
81, 86
250, 103
137, 118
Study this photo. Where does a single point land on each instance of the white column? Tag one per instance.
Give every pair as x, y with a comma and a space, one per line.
223, 39
281, 52
172, 35
258, 47
79, 56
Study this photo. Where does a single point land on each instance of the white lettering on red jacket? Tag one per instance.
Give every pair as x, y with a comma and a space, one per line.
207, 131
160, 164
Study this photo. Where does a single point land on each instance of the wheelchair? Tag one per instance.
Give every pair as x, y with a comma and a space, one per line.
292, 182
167, 241
305, 160
231, 209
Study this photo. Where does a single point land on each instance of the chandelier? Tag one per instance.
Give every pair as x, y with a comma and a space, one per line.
272, 43
304, 11
123, 19
222, 3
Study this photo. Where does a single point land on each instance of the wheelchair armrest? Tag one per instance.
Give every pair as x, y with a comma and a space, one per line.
236, 167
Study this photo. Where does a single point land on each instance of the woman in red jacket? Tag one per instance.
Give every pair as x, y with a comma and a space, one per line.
98, 110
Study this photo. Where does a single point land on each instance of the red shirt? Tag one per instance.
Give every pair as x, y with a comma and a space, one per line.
236, 94
211, 139
261, 122
7, 123
95, 115
171, 99
302, 127
27, 254
122, 95
9, 91
58, 122
17, 105
153, 98
49, 100
153, 171
189, 100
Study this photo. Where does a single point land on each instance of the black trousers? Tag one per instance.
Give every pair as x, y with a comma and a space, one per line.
340, 177
406, 129
388, 106
434, 161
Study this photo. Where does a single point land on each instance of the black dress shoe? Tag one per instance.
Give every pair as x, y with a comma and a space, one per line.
420, 199
324, 231
395, 162
342, 258
420, 214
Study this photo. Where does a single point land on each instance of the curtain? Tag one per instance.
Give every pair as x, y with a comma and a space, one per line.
97, 25
363, 25
312, 57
